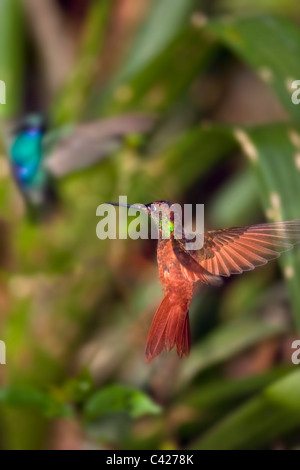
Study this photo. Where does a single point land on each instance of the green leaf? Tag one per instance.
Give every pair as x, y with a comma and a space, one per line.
11, 55
165, 19
119, 398
174, 168
189, 157
220, 392
288, 8
227, 341
32, 398
269, 416
269, 45
195, 152
211, 400
76, 389
236, 202
162, 82
70, 103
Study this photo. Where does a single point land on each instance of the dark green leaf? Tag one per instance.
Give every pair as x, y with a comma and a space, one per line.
119, 398
271, 414
269, 45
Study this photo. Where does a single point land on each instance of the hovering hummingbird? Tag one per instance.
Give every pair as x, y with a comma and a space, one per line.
38, 157
225, 252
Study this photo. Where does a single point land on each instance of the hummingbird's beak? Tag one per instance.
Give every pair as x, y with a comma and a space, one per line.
117, 204
132, 206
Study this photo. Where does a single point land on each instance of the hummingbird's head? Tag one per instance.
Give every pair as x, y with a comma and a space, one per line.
158, 206
163, 215
152, 208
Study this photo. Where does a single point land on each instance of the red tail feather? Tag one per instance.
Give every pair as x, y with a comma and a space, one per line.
170, 327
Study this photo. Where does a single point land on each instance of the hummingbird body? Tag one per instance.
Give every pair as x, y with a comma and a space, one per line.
26, 153
26, 158
170, 326
225, 252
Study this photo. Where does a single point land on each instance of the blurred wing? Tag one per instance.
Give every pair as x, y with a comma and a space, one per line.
238, 249
89, 143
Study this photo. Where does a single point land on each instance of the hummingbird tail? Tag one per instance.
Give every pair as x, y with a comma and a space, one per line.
170, 327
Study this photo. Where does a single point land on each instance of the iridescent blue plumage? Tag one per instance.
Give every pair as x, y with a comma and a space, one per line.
26, 156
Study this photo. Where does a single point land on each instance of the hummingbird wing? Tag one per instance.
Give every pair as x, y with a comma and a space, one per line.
83, 145
192, 269
237, 249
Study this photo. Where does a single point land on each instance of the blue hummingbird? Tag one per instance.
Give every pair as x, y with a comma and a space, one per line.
26, 153
38, 157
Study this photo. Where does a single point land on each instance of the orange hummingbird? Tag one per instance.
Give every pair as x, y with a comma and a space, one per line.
224, 252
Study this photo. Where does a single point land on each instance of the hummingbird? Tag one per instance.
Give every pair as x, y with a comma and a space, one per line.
224, 252
29, 172
39, 156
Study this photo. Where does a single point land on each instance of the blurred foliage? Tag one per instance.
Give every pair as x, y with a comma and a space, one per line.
70, 102
118, 398
269, 45
75, 310
12, 61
